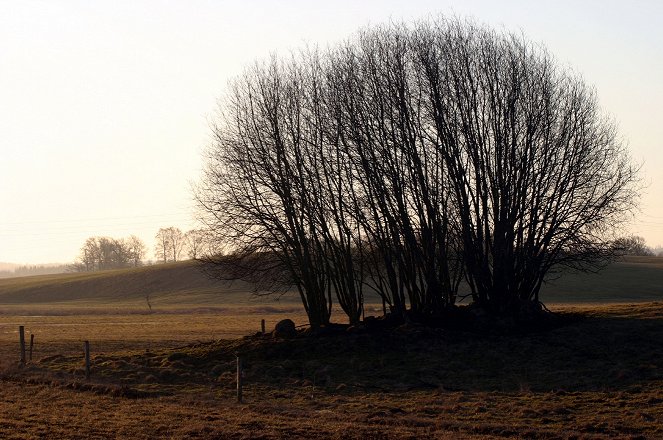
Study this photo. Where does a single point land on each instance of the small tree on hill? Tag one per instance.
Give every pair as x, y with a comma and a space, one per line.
169, 245
137, 250
196, 241
162, 245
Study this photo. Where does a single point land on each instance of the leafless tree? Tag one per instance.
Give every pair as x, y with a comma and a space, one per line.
169, 245
255, 191
407, 159
177, 242
196, 243
162, 245
137, 250
539, 174
633, 245
103, 253
403, 206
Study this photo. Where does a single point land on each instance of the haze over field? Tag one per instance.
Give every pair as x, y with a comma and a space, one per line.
106, 107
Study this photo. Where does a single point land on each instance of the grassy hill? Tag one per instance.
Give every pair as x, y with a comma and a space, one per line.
635, 279
175, 284
183, 284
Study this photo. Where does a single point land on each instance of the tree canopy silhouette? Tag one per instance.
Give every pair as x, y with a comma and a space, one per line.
408, 159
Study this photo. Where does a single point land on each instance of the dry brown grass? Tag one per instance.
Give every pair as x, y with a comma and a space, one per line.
65, 332
598, 377
47, 412
170, 373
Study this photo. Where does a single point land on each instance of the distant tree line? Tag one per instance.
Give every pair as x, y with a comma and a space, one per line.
31, 270
171, 243
409, 159
106, 253
634, 245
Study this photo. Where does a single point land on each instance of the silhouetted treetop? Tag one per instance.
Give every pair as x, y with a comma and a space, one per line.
407, 159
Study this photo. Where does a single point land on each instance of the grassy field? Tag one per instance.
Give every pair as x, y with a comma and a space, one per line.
635, 279
169, 372
184, 286
179, 284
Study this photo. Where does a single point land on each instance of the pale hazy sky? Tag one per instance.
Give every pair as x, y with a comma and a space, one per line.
105, 106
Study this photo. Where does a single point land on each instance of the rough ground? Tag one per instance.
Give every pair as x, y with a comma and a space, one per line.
599, 376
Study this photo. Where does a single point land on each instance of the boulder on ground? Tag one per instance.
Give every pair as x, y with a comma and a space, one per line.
285, 329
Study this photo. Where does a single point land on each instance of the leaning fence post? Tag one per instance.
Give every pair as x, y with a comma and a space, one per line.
262, 326
32, 343
87, 359
239, 379
21, 338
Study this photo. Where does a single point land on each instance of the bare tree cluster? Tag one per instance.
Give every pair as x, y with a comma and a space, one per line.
633, 245
171, 243
406, 160
105, 253
195, 243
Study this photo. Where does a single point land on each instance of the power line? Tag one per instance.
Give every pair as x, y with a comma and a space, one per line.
93, 219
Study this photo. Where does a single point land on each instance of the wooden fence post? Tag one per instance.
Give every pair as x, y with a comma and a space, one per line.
239, 379
262, 326
32, 343
87, 359
21, 338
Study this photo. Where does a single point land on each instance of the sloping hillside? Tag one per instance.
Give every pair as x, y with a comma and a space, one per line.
181, 283
635, 279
